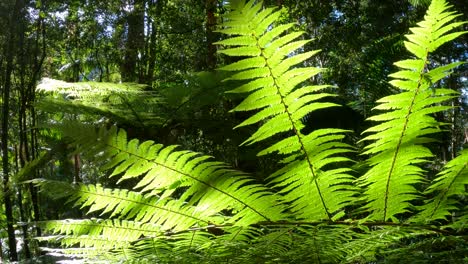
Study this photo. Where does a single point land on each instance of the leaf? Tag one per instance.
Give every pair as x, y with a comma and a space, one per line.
397, 149
277, 88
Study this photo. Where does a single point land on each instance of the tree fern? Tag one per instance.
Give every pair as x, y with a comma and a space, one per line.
184, 207
406, 121
276, 88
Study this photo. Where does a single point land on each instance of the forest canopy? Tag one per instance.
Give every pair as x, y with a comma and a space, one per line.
240, 131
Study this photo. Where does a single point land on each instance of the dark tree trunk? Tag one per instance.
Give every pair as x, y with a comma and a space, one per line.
211, 6
135, 42
157, 6
39, 57
73, 43
23, 152
9, 54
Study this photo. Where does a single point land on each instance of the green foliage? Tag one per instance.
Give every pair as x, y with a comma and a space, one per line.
180, 206
407, 119
445, 189
127, 103
276, 88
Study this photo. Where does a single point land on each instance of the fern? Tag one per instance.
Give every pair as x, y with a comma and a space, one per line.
211, 186
184, 207
275, 87
166, 213
209, 193
451, 182
397, 146
126, 103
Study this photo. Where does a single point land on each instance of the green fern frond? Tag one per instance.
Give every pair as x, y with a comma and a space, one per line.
460, 222
451, 182
128, 103
104, 235
79, 254
87, 91
113, 229
152, 249
367, 243
168, 213
275, 87
210, 186
121, 203
406, 122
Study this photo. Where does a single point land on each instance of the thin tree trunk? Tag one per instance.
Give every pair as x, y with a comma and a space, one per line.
157, 6
134, 43
210, 34
23, 152
9, 51
40, 48
152, 54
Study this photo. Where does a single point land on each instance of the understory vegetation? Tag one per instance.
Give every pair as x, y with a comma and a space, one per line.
268, 179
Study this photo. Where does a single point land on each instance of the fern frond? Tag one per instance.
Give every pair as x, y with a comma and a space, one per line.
167, 213
210, 186
460, 222
451, 182
367, 243
110, 229
80, 254
125, 103
406, 121
276, 87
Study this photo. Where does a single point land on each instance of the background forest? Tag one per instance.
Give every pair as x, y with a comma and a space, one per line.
102, 101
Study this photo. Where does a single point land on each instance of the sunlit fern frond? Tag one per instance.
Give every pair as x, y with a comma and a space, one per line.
127, 103
210, 186
104, 235
406, 121
450, 183
124, 204
78, 254
278, 89
111, 229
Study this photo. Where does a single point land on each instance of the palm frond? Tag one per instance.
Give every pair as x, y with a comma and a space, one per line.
406, 121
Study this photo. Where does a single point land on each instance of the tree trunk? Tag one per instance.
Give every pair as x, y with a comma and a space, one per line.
134, 43
155, 17
211, 6
9, 52
73, 43
22, 154
39, 57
